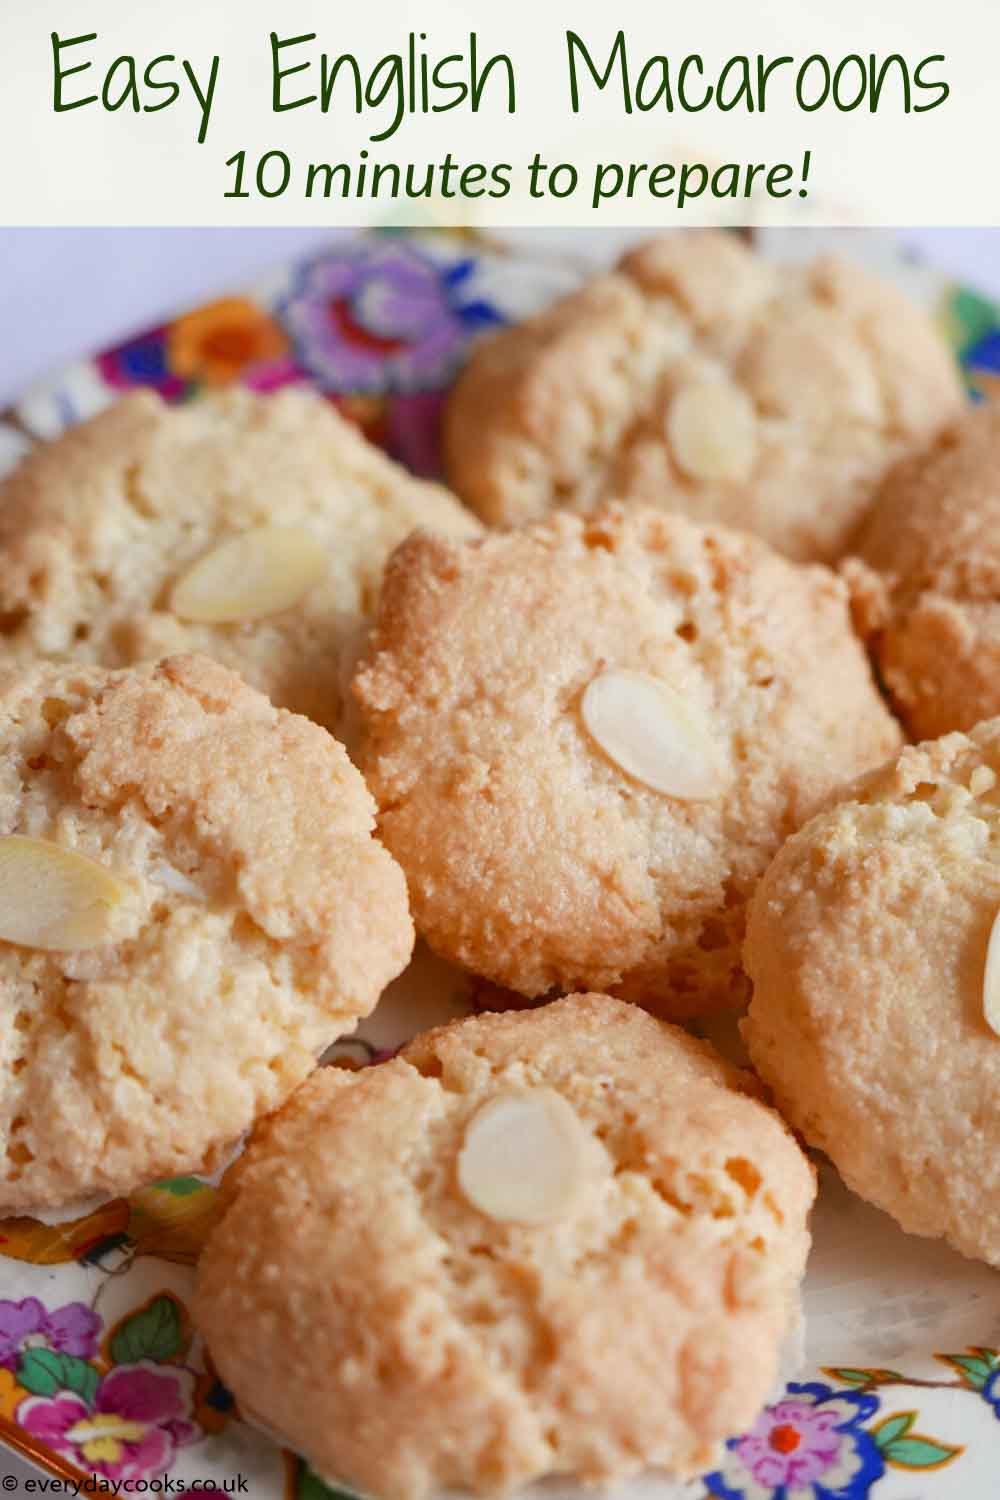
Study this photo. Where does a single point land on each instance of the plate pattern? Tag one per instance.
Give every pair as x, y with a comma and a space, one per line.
101, 1372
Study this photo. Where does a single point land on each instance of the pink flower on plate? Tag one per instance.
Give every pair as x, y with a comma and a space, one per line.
265, 379
139, 1417
413, 424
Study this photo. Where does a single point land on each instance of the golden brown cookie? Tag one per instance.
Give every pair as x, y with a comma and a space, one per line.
192, 907
867, 945
588, 738
700, 377
250, 528
566, 1241
927, 589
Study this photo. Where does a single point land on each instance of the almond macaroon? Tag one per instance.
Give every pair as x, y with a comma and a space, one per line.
559, 1242
588, 738
874, 949
192, 908
926, 581
703, 378
249, 528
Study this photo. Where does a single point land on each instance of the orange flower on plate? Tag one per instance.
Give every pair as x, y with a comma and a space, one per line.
10, 1394
217, 344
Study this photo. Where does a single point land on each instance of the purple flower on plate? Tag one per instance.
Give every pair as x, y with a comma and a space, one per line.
70, 1329
142, 361
383, 317
810, 1445
139, 1416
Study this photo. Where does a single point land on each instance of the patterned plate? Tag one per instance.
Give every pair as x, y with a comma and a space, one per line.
101, 1373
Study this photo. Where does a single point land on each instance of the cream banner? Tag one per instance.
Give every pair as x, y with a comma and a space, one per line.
313, 111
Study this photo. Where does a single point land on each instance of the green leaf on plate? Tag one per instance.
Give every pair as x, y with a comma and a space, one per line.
154, 1332
43, 1372
919, 1453
181, 1187
863, 1377
893, 1429
975, 1369
309, 1486
970, 317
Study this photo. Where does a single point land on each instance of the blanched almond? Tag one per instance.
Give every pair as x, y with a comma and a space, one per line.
712, 431
523, 1160
250, 576
53, 898
650, 732
171, 879
991, 978
982, 780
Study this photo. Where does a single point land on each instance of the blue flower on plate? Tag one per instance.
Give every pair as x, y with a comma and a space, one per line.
142, 361
810, 1445
991, 1392
983, 357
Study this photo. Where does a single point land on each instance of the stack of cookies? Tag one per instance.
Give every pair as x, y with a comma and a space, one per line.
625, 720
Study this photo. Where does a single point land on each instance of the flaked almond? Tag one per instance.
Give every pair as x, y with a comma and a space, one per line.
54, 898
523, 1159
648, 730
171, 879
982, 780
991, 978
250, 576
712, 431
